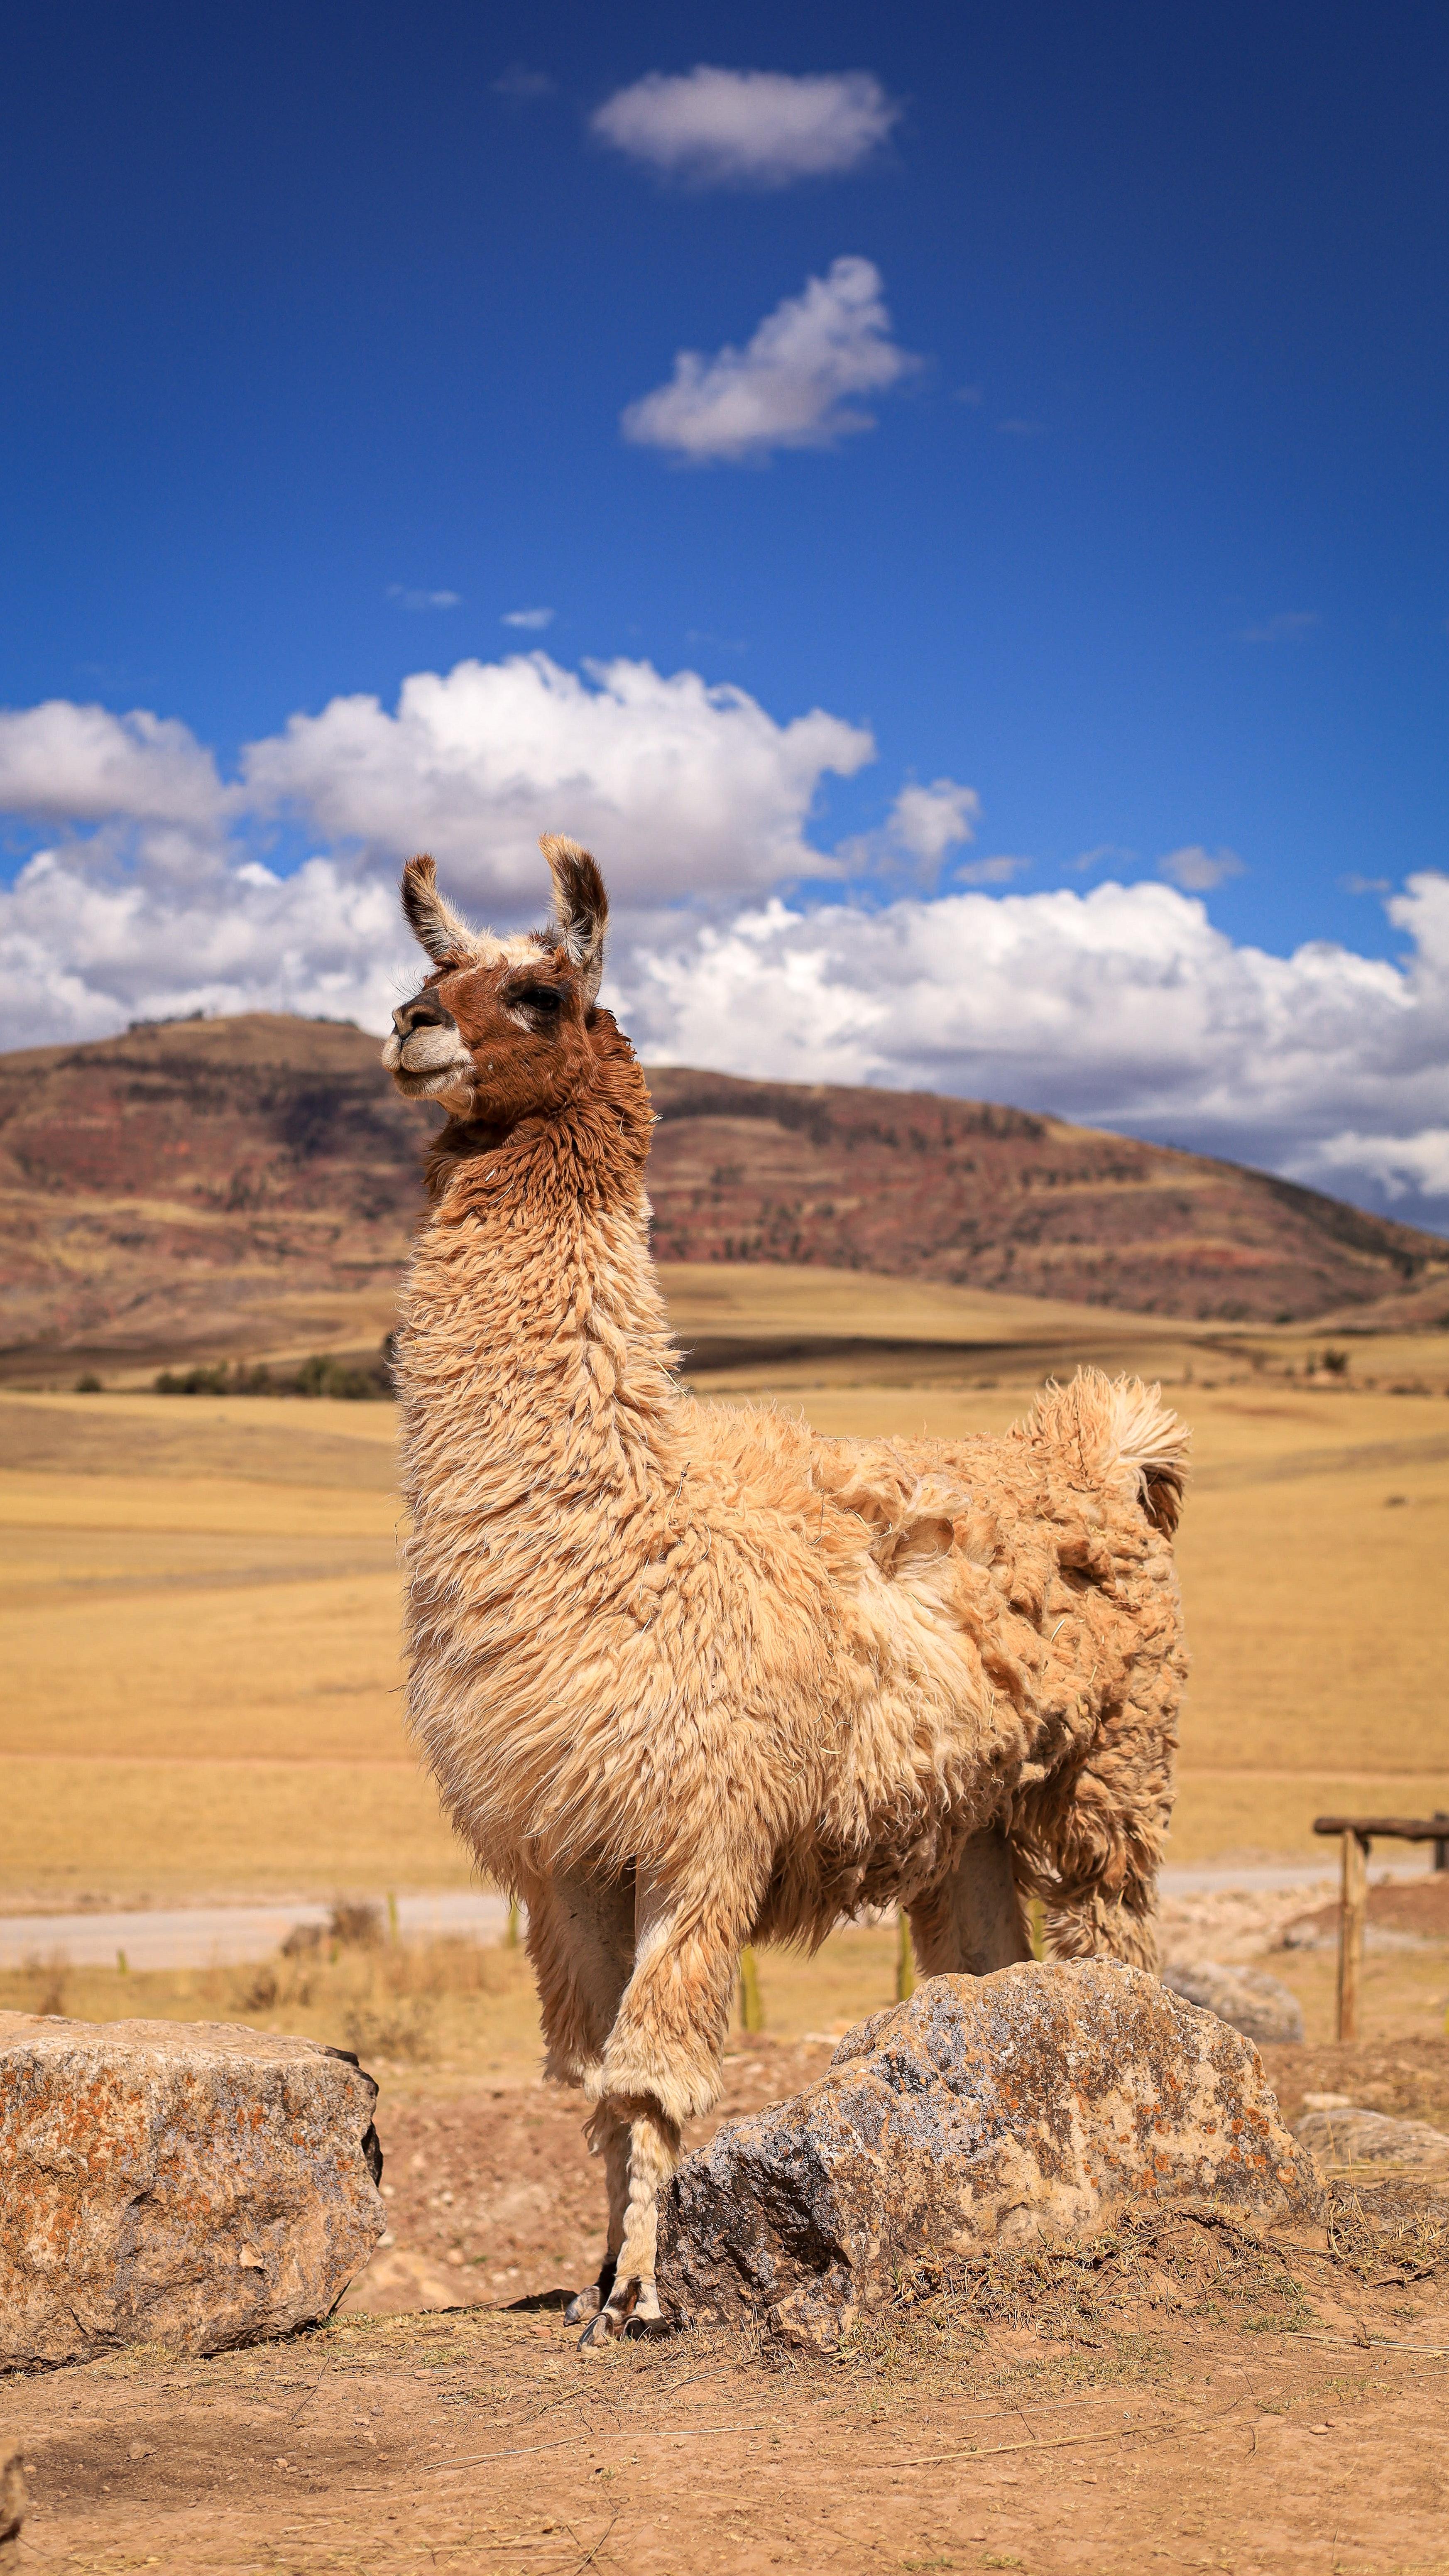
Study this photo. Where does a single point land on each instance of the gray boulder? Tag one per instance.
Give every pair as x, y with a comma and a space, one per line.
183, 2183
1258, 2005
1345, 2136
986, 2111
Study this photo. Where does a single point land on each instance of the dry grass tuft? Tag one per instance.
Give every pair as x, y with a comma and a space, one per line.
1396, 2232
1202, 2261
398, 2005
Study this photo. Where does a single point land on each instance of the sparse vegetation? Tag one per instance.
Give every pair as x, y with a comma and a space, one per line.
409, 2005
323, 1373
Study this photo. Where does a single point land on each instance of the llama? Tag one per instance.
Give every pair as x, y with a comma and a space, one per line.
689, 1676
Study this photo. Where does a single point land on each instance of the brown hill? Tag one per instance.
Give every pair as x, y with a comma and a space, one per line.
245, 1184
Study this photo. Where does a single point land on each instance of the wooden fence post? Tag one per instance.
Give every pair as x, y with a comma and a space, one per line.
752, 2002
1352, 1907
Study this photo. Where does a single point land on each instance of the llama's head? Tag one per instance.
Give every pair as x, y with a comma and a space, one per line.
500, 1029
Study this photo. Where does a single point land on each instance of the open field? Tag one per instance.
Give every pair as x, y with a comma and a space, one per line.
200, 1633
200, 1602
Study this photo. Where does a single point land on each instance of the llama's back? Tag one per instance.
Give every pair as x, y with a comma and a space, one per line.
1061, 1530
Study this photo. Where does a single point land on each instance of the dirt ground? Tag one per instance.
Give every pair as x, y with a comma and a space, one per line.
1178, 2396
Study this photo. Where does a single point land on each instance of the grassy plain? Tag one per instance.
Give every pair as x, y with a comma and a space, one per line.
200, 1625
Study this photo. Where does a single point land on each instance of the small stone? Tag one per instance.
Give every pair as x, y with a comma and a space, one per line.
192, 2184
1251, 2001
13, 2495
1337, 2135
985, 2111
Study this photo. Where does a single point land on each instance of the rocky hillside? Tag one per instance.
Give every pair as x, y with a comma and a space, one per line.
231, 1185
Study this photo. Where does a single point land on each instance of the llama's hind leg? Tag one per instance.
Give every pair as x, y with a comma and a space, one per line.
608, 2136
972, 1921
581, 1942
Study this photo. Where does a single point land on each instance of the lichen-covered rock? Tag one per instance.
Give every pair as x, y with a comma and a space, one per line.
185, 2183
1348, 2136
987, 2110
1258, 2005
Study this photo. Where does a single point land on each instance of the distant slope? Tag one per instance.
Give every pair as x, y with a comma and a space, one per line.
249, 1183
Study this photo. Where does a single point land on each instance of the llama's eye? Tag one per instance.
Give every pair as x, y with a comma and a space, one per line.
545, 1000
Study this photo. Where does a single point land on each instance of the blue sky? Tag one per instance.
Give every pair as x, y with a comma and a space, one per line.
320, 324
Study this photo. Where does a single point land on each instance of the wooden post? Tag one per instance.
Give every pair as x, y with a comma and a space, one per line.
905, 1960
752, 2002
1353, 1905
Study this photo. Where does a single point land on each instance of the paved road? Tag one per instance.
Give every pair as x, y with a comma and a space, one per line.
203, 1936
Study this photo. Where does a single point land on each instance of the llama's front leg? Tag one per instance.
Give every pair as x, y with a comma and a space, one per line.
632, 2303
661, 2066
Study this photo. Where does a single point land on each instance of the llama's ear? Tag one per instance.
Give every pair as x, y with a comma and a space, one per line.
580, 908
443, 932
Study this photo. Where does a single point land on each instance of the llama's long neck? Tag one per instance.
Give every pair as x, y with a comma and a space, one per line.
536, 1367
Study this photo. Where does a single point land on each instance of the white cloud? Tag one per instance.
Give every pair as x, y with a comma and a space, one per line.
519, 85
534, 618
1290, 626
929, 821
1402, 1165
923, 826
423, 599
1196, 870
996, 871
86, 765
756, 129
795, 383
690, 789
1122, 1005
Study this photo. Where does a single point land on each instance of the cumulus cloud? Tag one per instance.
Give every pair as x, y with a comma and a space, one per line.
929, 821
923, 826
535, 619
691, 789
1196, 870
1122, 1005
751, 129
795, 384
1403, 1166
423, 599
83, 764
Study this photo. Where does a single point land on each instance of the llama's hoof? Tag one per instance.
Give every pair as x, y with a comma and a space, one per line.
583, 2304
637, 2329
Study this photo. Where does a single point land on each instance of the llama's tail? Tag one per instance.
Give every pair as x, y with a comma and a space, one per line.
1116, 1424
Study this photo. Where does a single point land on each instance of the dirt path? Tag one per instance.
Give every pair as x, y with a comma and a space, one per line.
484, 2439
1183, 2397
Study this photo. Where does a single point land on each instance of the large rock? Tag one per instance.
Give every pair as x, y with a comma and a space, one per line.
986, 2111
184, 2183
1258, 2005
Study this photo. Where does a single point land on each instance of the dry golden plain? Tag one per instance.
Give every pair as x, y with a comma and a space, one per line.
200, 1610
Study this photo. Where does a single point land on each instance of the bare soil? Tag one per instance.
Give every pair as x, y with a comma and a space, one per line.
1177, 2395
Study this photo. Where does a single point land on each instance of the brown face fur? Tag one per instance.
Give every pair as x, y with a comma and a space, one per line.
503, 1029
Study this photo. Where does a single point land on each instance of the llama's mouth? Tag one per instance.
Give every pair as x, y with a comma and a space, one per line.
426, 1062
